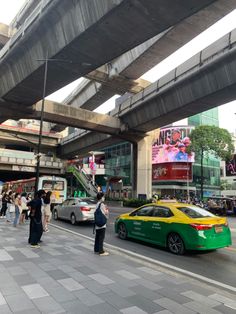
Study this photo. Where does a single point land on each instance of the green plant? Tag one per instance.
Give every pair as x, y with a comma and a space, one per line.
207, 140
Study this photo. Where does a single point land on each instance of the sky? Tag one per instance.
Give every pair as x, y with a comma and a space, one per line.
227, 116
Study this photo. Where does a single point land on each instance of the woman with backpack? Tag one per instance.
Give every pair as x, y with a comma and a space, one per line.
100, 219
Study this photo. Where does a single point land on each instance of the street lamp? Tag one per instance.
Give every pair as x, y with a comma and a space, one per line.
41, 125
46, 60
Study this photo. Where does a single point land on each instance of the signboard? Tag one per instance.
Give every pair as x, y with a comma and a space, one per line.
231, 167
23, 168
171, 145
16, 153
175, 171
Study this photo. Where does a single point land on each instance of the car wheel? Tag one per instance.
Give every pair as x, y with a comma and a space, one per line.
73, 219
122, 231
55, 214
175, 244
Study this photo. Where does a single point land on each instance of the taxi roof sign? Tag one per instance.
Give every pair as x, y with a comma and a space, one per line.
167, 201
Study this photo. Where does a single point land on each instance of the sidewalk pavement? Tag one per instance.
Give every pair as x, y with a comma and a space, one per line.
65, 276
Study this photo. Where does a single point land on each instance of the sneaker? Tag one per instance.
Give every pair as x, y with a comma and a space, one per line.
35, 246
104, 254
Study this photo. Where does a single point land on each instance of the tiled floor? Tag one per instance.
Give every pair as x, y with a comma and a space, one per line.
64, 276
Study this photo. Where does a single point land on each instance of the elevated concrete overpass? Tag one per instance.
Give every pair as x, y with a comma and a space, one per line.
86, 119
25, 137
122, 74
205, 81
22, 16
4, 34
54, 27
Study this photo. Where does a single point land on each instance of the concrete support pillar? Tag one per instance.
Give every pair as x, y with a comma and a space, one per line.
142, 165
134, 160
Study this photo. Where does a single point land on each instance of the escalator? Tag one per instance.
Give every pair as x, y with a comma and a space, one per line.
84, 179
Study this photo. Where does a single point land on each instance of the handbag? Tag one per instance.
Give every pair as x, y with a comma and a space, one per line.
12, 208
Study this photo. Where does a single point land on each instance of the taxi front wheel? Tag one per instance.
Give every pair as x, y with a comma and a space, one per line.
175, 244
122, 231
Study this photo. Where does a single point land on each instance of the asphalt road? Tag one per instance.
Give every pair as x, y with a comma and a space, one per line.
219, 265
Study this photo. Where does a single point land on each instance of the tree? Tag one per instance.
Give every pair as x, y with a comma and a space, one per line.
209, 139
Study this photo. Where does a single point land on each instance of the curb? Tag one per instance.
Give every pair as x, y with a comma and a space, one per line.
155, 262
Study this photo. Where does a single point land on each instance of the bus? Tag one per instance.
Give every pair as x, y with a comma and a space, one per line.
57, 185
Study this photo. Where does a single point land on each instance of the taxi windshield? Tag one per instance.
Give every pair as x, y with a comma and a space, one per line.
195, 212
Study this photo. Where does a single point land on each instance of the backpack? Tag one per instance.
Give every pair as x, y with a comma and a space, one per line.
99, 218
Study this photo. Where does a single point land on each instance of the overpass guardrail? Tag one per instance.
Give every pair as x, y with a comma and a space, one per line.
20, 33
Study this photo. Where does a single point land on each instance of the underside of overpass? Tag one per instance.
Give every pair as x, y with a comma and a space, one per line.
118, 25
205, 81
122, 74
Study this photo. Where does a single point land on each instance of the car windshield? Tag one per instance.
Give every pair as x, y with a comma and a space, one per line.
88, 201
195, 212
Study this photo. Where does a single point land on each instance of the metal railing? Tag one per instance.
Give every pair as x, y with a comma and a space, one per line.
85, 179
44, 162
21, 31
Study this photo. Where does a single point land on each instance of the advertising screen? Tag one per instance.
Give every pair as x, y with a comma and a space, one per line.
171, 146
175, 171
231, 166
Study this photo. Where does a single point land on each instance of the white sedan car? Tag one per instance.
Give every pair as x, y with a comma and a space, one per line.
76, 210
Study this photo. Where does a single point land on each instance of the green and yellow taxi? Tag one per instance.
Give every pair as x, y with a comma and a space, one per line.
177, 226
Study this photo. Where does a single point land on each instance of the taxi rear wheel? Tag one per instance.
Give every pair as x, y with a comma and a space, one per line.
122, 231
175, 244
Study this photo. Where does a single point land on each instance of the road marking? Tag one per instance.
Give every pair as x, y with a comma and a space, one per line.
151, 260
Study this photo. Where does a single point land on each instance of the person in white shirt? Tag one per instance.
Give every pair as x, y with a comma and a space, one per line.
24, 208
47, 211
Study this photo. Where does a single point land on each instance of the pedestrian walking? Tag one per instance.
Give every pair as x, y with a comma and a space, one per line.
10, 206
4, 205
24, 208
47, 211
36, 226
100, 218
17, 203
1, 196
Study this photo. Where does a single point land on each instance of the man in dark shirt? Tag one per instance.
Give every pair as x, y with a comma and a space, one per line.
36, 226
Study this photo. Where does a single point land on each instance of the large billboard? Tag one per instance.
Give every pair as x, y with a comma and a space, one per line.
231, 166
171, 146
175, 171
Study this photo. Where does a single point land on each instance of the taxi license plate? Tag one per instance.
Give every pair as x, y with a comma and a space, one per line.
218, 229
